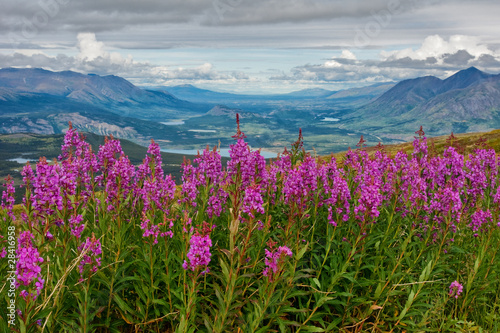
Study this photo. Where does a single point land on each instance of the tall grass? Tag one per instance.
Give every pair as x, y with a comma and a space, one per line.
363, 244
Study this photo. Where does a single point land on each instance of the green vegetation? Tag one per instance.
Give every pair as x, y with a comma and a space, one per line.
369, 243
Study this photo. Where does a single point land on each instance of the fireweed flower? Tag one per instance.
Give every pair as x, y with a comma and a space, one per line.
154, 230
92, 257
78, 165
455, 289
27, 266
253, 169
274, 261
309, 171
277, 171
447, 200
109, 153
481, 174
216, 202
119, 182
496, 198
190, 182
420, 149
252, 201
480, 218
369, 201
209, 169
46, 197
251, 164
3, 253
338, 192
199, 253
157, 190
76, 224
448, 168
300, 184
8, 197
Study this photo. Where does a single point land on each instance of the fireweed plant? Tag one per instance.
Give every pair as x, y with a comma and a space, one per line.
365, 243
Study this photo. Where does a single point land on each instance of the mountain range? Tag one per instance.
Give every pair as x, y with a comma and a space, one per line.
186, 117
468, 101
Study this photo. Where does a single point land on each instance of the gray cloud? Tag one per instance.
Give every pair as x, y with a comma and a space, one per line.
325, 24
461, 58
365, 27
106, 15
93, 58
354, 72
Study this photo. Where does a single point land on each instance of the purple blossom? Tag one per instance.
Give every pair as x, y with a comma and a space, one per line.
420, 149
338, 192
3, 253
445, 201
278, 169
369, 201
455, 289
190, 182
274, 261
76, 224
157, 190
92, 257
78, 166
27, 266
480, 218
8, 197
154, 230
252, 201
199, 253
247, 164
216, 202
46, 197
120, 182
209, 169
496, 198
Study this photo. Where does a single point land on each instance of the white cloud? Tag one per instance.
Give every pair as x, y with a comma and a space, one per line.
89, 47
437, 47
346, 54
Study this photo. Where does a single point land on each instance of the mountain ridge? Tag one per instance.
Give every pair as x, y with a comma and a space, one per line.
110, 92
468, 100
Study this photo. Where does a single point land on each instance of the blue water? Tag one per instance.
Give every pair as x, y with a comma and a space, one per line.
172, 123
21, 160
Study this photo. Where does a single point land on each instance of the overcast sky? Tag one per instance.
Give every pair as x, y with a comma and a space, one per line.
253, 45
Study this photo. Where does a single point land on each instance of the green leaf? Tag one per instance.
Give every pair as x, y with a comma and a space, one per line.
312, 329
301, 252
123, 305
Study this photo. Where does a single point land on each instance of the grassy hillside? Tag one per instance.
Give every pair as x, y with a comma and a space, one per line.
466, 143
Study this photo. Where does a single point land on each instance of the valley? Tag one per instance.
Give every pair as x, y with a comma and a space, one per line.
187, 118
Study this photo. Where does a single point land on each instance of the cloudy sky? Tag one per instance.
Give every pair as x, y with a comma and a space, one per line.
253, 46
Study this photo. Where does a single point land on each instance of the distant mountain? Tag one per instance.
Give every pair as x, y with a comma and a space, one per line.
311, 93
194, 94
198, 95
356, 97
372, 91
108, 92
465, 102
